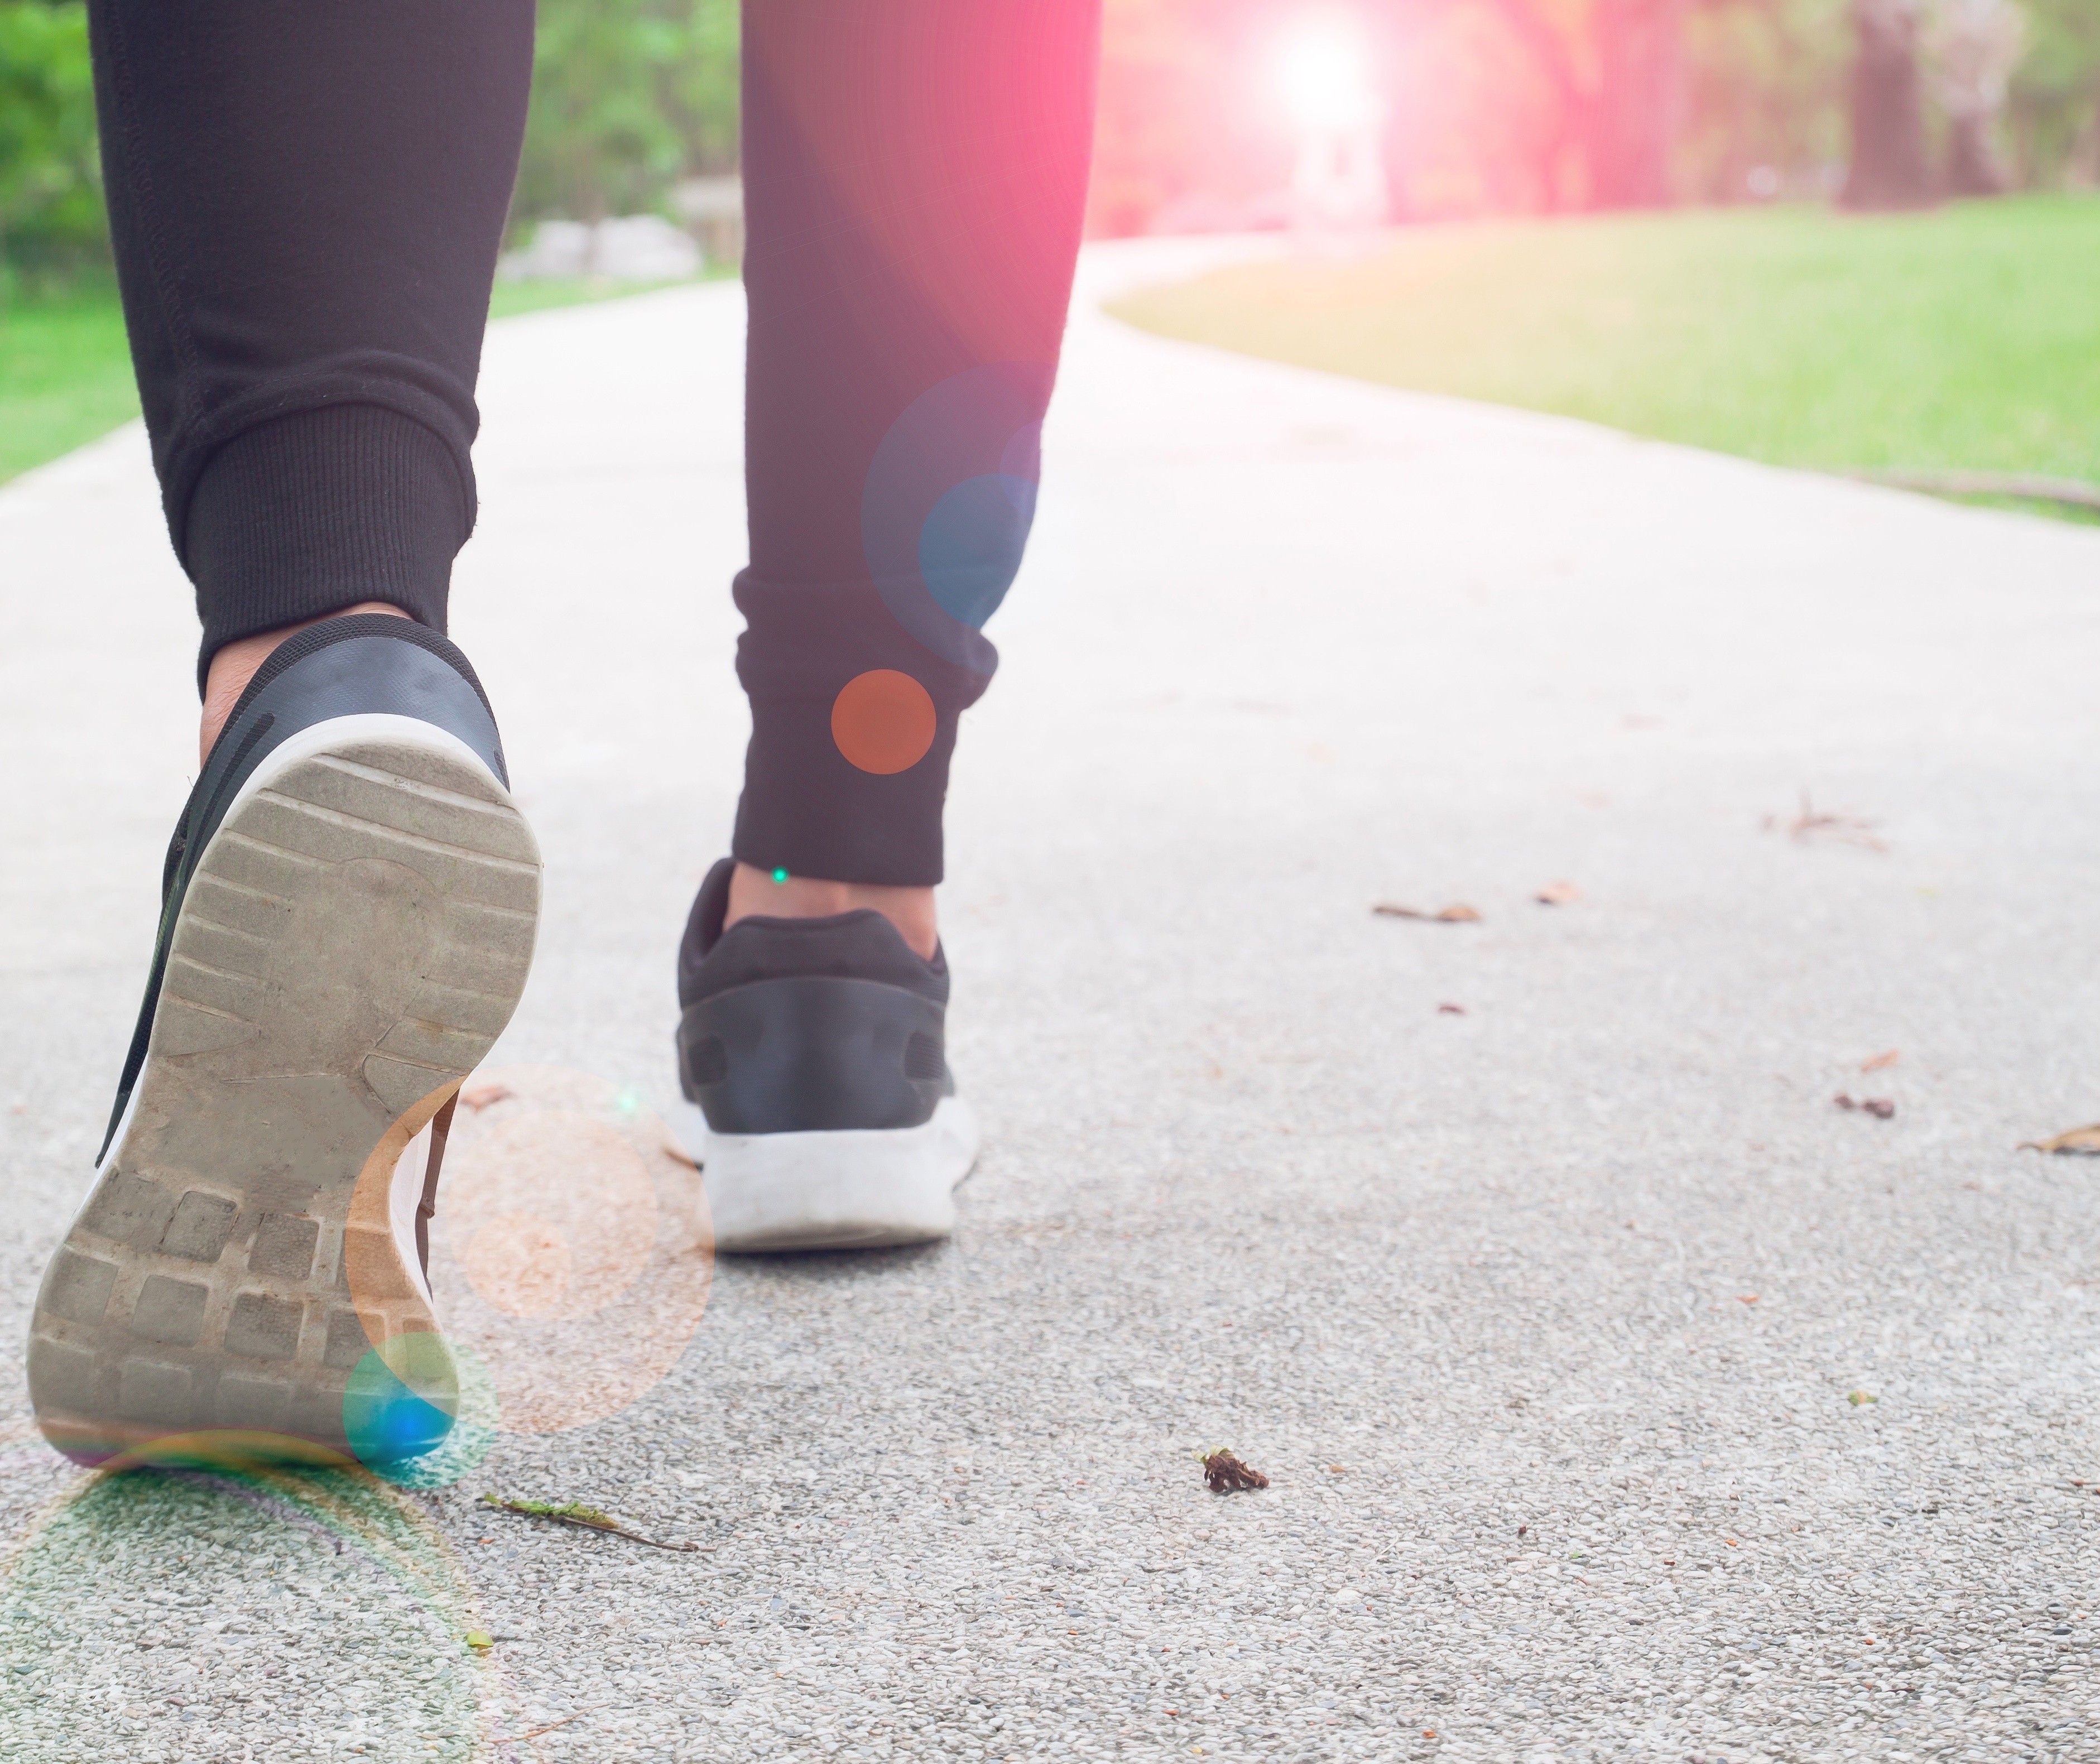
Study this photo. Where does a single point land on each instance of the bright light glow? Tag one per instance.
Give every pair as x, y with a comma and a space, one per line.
1324, 66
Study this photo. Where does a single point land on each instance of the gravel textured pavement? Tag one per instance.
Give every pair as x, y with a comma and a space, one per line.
1622, 1396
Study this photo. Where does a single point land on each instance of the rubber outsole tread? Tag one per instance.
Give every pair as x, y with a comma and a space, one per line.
207, 1283
390, 830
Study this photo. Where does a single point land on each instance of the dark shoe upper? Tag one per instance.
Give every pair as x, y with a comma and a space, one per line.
808, 1024
364, 663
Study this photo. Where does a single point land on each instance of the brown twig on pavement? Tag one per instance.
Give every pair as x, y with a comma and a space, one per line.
1848, 829
534, 1733
2031, 486
576, 1513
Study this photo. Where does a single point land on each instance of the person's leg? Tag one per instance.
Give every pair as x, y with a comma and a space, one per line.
305, 203
914, 180
306, 200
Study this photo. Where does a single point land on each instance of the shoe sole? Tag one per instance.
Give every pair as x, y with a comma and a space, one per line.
356, 935
860, 1189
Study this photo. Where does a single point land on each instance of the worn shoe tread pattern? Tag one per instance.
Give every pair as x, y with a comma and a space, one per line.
356, 936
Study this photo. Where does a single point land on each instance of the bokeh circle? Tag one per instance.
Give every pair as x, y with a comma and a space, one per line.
571, 1253
884, 721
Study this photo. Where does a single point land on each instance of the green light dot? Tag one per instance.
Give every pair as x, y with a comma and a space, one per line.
780, 876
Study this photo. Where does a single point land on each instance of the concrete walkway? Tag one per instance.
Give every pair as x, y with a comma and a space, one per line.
1621, 1396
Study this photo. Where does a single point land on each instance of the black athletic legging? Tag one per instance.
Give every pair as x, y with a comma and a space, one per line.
306, 198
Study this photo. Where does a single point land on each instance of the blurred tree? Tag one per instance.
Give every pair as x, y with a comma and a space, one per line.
51, 194
1888, 168
628, 96
1973, 46
1635, 109
1765, 104
2054, 103
1187, 114
1478, 121
1615, 70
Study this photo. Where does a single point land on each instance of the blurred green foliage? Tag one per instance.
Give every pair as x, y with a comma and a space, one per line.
627, 97
51, 194
2054, 106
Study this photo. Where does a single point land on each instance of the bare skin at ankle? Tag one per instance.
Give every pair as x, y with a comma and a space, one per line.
234, 666
753, 893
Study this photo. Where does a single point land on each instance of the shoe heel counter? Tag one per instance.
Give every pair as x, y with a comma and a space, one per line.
812, 1054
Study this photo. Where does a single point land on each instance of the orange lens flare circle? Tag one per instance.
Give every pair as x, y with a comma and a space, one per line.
883, 721
572, 1248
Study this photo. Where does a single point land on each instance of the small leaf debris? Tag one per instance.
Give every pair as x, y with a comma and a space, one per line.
1855, 1398
576, 1513
1447, 916
1879, 1107
1847, 829
2079, 1142
1450, 1010
480, 1640
1558, 894
534, 1733
483, 1095
1226, 1474
1882, 1062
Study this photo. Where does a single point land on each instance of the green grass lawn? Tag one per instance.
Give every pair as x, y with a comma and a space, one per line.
1965, 339
65, 375
65, 371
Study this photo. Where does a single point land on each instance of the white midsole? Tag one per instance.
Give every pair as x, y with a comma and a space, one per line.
851, 1189
337, 731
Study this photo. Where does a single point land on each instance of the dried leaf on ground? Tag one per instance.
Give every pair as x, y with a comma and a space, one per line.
1879, 1107
1450, 1010
1447, 916
2079, 1142
1225, 1473
1882, 1062
576, 1513
1558, 894
1847, 829
483, 1095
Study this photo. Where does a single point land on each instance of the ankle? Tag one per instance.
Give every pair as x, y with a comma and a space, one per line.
234, 665
758, 894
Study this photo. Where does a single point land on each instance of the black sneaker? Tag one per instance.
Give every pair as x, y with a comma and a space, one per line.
349, 908
814, 1048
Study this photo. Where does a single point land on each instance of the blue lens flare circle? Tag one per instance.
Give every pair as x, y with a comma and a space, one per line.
404, 1404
